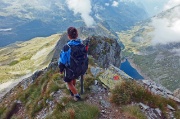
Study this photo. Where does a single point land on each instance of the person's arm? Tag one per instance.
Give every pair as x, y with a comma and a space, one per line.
64, 58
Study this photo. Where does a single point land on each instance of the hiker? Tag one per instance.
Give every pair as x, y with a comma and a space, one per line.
73, 61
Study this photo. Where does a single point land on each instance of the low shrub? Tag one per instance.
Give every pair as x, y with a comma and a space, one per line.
129, 91
88, 81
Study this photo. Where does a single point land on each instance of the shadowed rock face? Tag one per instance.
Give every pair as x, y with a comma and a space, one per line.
105, 51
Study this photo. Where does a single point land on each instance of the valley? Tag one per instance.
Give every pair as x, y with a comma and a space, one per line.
157, 63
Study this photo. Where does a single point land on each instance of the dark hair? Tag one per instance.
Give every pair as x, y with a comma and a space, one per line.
72, 32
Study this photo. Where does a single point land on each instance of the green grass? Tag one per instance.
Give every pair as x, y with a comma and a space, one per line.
130, 91
7, 111
34, 98
134, 112
14, 62
177, 114
88, 81
91, 60
77, 110
25, 58
2, 111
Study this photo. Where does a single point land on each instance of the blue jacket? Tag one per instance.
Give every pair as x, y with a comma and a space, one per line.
64, 59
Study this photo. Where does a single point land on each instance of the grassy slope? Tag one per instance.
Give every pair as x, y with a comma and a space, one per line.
23, 58
34, 99
160, 65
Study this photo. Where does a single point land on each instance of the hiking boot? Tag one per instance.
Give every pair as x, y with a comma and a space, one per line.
77, 98
71, 92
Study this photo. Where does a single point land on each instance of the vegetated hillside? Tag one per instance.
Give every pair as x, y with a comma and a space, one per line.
108, 93
23, 21
20, 59
154, 49
44, 94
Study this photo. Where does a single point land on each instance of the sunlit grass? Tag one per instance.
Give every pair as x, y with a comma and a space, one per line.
26, 57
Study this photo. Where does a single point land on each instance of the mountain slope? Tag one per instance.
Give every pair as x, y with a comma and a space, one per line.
24, 58
153, 46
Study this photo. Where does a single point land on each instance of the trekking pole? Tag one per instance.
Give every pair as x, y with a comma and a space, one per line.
82, 80
82, 85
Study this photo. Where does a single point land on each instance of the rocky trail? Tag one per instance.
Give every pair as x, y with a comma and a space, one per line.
99, 96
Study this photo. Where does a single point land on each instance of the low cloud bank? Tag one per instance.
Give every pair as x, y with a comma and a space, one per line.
171, 3
167, 27
166, 31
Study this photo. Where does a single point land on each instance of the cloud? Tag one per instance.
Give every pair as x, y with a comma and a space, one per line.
3, 30
171, 3
177, 52
115, 4
106, 4
166, 31
83, 7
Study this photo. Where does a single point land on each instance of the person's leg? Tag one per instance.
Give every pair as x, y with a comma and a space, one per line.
72, 87
74, 82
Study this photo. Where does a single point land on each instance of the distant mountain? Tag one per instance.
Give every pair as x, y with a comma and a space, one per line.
154, 46
28, 20
123, 16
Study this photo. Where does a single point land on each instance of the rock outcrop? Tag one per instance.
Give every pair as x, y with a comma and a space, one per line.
105, 51
177, 93
159, 90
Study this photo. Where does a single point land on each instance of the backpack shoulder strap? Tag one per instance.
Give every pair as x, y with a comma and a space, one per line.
66, 47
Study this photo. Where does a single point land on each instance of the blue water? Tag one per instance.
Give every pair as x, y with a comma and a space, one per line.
128, 69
